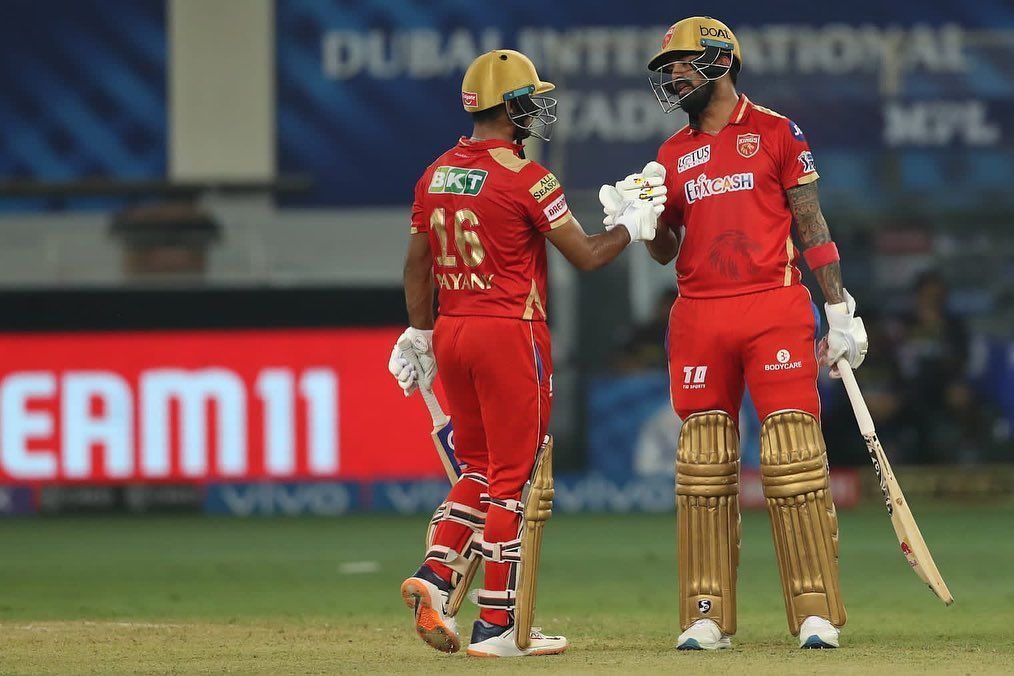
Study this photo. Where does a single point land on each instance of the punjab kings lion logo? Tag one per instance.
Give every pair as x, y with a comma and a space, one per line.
668, 35
748, 144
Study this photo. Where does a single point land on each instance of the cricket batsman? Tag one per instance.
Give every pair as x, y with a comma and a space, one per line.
481, 215
741, 180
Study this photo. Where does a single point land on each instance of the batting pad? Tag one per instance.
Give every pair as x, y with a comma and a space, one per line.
538, 507
707, 519
803, 521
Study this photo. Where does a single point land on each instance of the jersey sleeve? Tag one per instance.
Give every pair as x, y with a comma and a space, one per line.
797, 167
542, 198
672, 216
419, 223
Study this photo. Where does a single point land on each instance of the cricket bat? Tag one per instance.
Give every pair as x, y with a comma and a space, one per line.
913, 546
443, 431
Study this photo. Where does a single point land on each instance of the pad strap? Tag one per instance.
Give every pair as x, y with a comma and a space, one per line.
488, 598
476, 477
499, 552
510, 505
459, 513
821, 255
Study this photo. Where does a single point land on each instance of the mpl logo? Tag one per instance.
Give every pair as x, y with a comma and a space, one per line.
694, 377
693, 159
784, 363
457, 181
703, 187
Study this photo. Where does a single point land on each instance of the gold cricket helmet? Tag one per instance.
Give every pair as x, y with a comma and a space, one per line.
505, 76
497, 76
695, 34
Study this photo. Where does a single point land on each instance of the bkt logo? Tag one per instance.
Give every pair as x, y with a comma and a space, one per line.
693, 377
168, 423
457, 181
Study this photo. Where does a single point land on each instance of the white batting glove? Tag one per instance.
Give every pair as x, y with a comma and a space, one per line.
412, 361
640, 218
647, 185
846, 335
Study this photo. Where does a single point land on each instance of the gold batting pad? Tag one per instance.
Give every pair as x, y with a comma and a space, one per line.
707, 519
537, 502
803, 521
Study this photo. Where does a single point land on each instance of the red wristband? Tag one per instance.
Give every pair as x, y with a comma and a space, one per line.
821, 255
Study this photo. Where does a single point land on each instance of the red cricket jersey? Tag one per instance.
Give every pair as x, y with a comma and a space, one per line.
487, 211
728, 191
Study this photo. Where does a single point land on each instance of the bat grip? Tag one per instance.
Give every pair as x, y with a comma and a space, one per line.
859, 407
433, 404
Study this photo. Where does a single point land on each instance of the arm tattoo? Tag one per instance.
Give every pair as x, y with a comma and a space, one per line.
812, 230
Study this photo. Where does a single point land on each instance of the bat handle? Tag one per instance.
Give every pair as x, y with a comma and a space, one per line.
863, 417
433, 404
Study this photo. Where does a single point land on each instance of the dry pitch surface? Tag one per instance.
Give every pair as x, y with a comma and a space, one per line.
199, 595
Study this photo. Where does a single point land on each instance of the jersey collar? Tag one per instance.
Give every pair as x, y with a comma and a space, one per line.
740, 114
488, 144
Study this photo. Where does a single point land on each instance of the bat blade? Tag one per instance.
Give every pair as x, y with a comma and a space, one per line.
443, 441
913, 546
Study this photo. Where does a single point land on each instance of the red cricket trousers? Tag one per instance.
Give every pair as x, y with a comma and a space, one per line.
497, 376
764, 340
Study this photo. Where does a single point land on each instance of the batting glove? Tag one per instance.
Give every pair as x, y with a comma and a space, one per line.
846, 336
412, 361
647, 185
640, 218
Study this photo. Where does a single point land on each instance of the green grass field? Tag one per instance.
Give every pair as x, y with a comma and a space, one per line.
198, 595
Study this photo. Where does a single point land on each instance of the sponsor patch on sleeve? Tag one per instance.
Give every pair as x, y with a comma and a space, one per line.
797, 133
544, 187
806, 159
556, 209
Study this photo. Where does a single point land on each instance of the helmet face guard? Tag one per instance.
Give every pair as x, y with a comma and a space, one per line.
533, 115
705, 63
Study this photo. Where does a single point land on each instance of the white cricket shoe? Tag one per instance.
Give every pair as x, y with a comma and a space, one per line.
703, 635
816, 632
429, 605
490, 640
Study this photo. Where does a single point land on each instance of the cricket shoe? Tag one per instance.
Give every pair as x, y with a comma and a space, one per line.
426, 593
703, 635
816, 632
493, 640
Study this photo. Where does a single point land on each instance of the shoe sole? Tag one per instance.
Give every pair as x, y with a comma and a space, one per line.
692, 644
428, 624
534, 653
816, 643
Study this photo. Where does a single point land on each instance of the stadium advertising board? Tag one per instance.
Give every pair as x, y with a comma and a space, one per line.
207, 406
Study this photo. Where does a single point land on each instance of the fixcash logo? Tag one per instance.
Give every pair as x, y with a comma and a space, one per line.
457, 181
702, 186
693, 158
785, 363
546, 185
